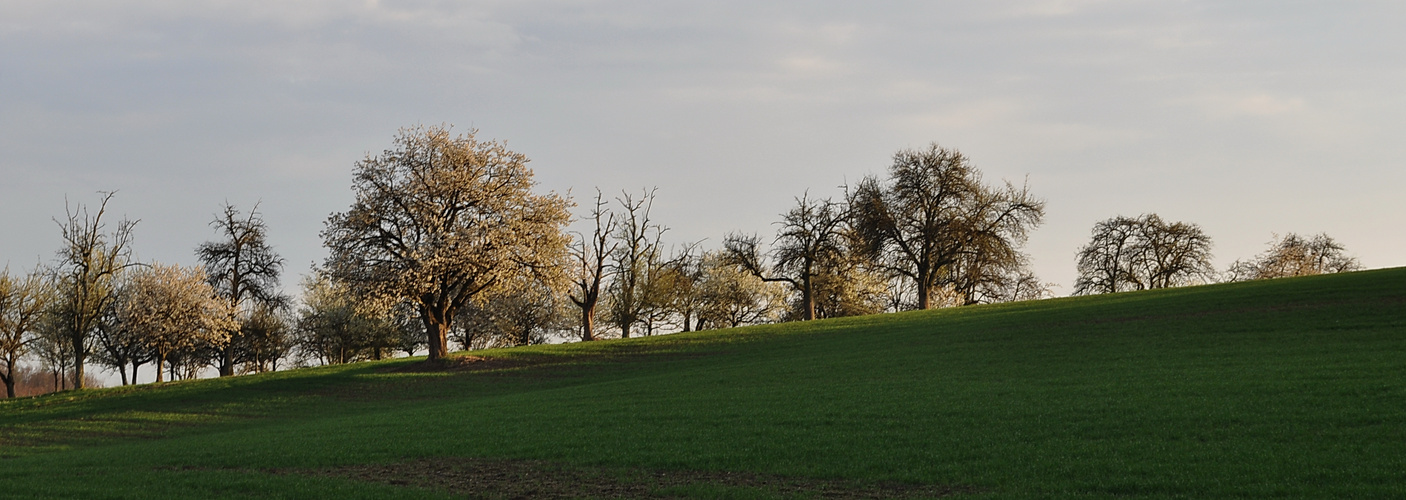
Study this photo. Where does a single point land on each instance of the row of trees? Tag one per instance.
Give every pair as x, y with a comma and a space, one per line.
447, 242
97, 304
1145, 252
449, 226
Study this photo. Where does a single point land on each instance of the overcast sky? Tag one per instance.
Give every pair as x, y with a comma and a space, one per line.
1248, 118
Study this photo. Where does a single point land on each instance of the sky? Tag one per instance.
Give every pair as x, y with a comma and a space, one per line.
1247, 118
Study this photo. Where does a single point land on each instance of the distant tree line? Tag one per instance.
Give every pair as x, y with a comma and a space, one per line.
447, 246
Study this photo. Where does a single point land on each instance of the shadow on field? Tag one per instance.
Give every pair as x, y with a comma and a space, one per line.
509, 360
530, 479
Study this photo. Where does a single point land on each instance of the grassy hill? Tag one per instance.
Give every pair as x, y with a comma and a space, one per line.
1291, 388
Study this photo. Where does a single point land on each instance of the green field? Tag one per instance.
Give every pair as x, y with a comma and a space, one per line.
1292, 388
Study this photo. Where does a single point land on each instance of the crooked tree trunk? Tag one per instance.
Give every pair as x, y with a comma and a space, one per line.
588, 323
227, 360
78, 358
436, 332
924, 288
160, 360
9, 384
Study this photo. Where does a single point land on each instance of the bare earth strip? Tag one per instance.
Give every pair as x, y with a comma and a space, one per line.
530, 479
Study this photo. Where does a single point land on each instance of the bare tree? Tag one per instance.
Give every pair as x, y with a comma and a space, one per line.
1107, 263
933, 213
1017, 286
1143, 253
443, 220
87, 271
1294, 255
23, 303
244, 271
1174, 254
809, 239
991, 262
590, 256
636, 261
173, 308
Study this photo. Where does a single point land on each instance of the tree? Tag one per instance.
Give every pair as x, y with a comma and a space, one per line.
807, 243
409, 331
334, 327
264, 339
848, 287
440, 221
23, 303
1143, 253
87, 271
173, 308
589, 270
933, 213
121, 345
1107, 263
636, 261
733, 297
1294, 255
528, 317
54, 347
686, 271
244, 271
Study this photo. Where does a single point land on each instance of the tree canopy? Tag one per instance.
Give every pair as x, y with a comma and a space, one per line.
440, 220
1294, 255
1144, 252
933, 213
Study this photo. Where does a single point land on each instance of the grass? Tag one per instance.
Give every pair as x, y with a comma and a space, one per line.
1290, 388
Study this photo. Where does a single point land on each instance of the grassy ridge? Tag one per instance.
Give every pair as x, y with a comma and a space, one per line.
1273, 389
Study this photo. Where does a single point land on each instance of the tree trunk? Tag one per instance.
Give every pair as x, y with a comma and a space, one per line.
437, 333
78, 372
122, 372
227, 360
9, 383
588, 323
808, 298
135, 364
78, 358
924, 296
625, 331
160, 360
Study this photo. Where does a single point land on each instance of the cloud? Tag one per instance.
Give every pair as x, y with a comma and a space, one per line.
1263, 105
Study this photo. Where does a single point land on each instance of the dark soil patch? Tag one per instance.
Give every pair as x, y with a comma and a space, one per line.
529, 479
472, 363
465, 363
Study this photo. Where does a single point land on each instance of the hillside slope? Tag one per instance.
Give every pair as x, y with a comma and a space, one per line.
1291, 388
